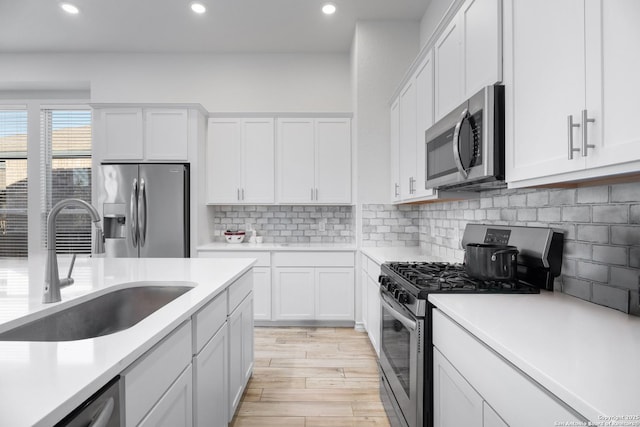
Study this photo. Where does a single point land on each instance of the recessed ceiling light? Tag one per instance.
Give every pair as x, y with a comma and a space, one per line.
198, 7
69, 8
329, 9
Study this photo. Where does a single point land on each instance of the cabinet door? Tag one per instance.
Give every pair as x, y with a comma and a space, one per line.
257, 160
408, 141
333, 161
373, 312
481, 25
211, 383
455, 402
223, 161
122, 134
240, 351
364, 296
293, 293
547, 80
296, 158
166, 134
448, 69
424, 120
175, 408
262, 293
612, 69
334, 294
490, 418
394, 142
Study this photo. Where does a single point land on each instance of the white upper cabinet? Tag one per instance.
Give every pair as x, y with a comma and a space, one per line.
573, 120
122, 133
166, 134
424, 120
408, 165
240, 161
468, 54
154, 134
394, 142
481, 25
448, 70
314, 160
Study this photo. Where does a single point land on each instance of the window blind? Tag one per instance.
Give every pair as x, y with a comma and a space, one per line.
13, 183
66, 173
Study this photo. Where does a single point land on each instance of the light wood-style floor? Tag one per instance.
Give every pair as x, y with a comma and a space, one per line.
312, 377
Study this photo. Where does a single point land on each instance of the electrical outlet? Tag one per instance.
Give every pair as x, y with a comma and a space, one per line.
322, 225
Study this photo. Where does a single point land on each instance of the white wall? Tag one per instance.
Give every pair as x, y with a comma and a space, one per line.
382, 52
220, 82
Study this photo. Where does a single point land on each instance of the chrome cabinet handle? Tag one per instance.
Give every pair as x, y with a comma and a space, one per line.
570, 126
456, 144
585, 133
397, 189
133, 213
142, 214
104, 415
242, 193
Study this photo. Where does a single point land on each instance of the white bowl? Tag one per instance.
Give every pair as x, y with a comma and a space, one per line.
234, 238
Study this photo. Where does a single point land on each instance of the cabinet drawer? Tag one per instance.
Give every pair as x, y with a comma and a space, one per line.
313, 259
263, 257
239, 290
208, 320
151, 376
535, 405
373, 269
175, 408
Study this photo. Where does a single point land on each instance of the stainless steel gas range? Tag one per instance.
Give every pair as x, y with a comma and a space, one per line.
406, 350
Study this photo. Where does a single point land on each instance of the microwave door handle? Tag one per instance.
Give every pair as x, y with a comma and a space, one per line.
456, 144
408, 323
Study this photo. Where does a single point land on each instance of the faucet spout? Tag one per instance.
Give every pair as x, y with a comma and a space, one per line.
52, 281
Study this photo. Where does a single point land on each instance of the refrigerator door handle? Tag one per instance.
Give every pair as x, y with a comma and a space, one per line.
133, 213
142, 212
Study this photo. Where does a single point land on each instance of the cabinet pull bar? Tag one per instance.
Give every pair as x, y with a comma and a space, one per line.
238, 194
397, 189
570, 126
242, 192
585, 133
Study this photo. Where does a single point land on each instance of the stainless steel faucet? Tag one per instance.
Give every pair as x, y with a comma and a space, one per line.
52, 282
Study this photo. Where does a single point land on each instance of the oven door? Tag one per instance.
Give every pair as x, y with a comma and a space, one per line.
402, 361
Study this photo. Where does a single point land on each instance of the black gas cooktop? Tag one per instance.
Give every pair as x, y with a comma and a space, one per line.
423, 278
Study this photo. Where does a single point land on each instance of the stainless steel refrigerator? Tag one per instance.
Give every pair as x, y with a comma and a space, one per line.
145, 208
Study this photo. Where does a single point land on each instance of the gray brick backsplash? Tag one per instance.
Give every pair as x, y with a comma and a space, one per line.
601, 225
593, 194
390, 225
611, 214
626, 192
284, 223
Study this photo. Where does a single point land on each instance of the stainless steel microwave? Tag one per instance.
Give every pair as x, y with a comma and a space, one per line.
465, 149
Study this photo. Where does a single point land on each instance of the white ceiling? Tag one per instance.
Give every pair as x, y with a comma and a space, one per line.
270, 26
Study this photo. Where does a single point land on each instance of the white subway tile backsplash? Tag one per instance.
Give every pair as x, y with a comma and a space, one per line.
601, 226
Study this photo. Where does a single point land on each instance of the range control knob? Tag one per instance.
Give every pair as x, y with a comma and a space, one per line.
403, 298
391, 287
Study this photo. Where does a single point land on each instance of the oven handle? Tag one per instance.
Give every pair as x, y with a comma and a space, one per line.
456, 144
408, 323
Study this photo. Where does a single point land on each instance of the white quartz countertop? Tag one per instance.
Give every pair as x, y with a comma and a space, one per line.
402, 253
40, 382
585, 354
330, 247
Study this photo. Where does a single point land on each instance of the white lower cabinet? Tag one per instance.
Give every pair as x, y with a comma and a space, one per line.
174, 408
474, 386
309, 293
455, 402
151, 377
262, 293
210, 364
371, 301
240, 351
